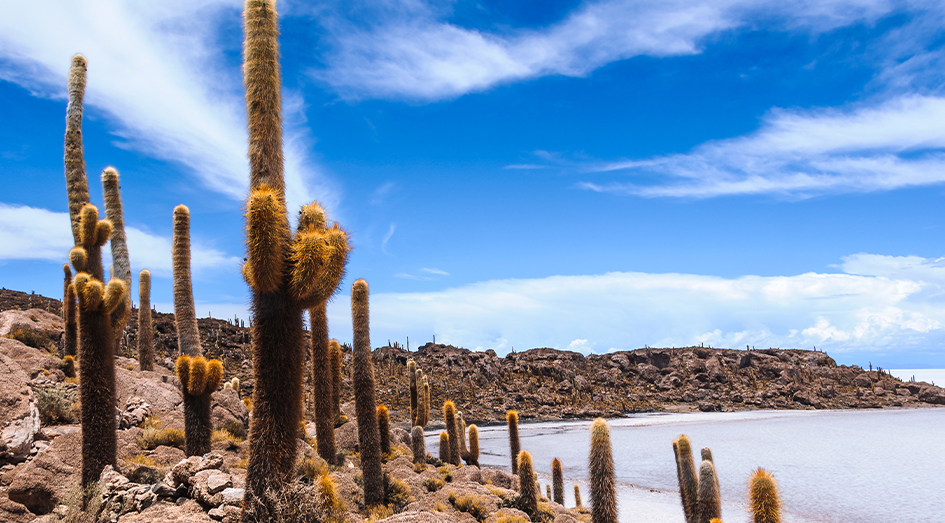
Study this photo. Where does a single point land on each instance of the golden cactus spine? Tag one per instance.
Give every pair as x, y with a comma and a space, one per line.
121, 264
77, 185
527, 485
412, 376
765, 503
461, 432
334, 351
418, 445
511, 417
687, 477
364, 396
96, 350
199, 378
70, 336
185, 319
601, 468
145, 326
473, 454
577, 496
287, 273
68, 366
444, 447
322, 385
557, 480
449, 417
709, 504
383, 428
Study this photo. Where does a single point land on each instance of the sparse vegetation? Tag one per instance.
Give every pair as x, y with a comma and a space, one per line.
56, 404
473, 505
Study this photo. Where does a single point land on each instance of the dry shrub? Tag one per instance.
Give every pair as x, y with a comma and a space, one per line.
446, 473
142, 459
433, 484
55, 404
377, 513
312, 468
236, 428
396, 493
152, 438
232, 441
512, 519
30, 338
473, 505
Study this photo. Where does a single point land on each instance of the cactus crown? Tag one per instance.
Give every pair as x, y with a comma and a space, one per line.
197, 375
763, 494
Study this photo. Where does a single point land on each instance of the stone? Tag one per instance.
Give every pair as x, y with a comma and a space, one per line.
136, 411
182, 473
44, 326
13, 512
228, 408
232, 496
47, 479
19, 415
149, 387
189, 511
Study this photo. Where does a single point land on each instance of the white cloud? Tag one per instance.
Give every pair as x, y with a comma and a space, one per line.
157, 70
897, 143
28, 233
840, 313
387, 238
434, 270
413, 53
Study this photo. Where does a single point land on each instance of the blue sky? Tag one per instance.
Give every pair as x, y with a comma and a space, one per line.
583, 175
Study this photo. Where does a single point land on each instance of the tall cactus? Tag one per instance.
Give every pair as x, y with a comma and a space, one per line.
199, 378
473, 453
461, 432
687, 477
444, 447
577, 496
121, 264
145, 327
449, 418
365, 397
710, 504
287, 273
70, 333
514, 446
96, 345
603, 482
527, 486
763, 498
557, 480
322, 384
412, 376
418, 445
334, 352
77, 185
185, 319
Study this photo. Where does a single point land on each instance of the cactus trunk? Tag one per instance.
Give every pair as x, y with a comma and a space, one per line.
185, 319
763, 496
198, 430
383, 428
121, 264
77, 185
473, 454
557, 480
334, 351
601, 467
322, 385
365, 397
514, 446
527, 486
688, 480
449, 417
145, 326
444, 448
418, 445
70, 336
577, 496
709, 506
412, 376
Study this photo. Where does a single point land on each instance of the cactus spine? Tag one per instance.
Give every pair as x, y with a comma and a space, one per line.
603, 483
444, 447
322, 385
527, 486
709, 507
287, 274
199, 378
764, 499
512, 418
688, 480
383, 428
185, 319
120, 261
364, 396
473, 458
577, 496
334, 352
412, 376
96, 345
145, 327
418, 446
77, 185
449, 417
70, 328
557, 479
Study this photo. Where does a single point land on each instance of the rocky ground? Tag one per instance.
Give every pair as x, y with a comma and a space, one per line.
40, 440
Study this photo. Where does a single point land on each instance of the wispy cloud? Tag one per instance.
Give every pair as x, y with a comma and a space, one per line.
408, 50
379, 195
890, 311
426, 274
29, 233
157, 70
896, 143
387, 238
433, 270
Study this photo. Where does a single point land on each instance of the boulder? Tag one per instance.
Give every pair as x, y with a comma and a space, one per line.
13, 512
19, 415
136, 411
418, 517
187, 512
182, 473
47, 479
933, 395
159, 391
227, 408
346, 436
40, 328
31, 360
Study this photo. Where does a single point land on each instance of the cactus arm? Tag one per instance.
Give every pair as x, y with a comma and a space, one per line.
77, 185
322, 384
145, 326
185, 319
119, 245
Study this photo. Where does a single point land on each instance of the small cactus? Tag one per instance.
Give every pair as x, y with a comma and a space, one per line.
764, 500
688, 480
199, 378
557, 478
461, 432
512, 418
444, 447
473, 453
601, 467
577, 496
710, 504
145, 327
68, 366
70, 334
548, 491
412, 376
449, 417
528, 487
383, 427
334, 352
322, 386
418, 446
364, 396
